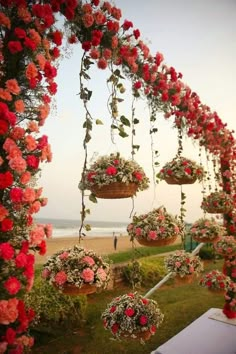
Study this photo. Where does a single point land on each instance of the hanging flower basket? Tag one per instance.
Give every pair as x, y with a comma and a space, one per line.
217, 203
206, 230
226, 246
76, 271
184, 266
216, 281
115, 190
132, 316
156, 228
181, 170
113, 177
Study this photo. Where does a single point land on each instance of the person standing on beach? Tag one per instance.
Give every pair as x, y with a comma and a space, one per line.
115, 241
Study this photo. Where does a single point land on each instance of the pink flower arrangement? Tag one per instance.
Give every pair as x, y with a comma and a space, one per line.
132, 315
206, 230
216, 280
226, 246
218, 202
76, 266
183, 263
114, 168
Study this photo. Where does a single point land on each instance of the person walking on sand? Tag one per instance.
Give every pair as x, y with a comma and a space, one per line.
115, 241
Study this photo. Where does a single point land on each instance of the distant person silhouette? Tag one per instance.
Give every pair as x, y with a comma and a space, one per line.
115, 242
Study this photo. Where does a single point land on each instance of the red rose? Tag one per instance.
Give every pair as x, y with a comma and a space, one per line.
6, 251
136, 33
14, 47
129, 312
16, 194
86, 45
21, 260
137, 85
32, 161
19, 32
111, 171
29, 43
115, 328
143, 320
3, 127
6, 180
138, 176
7, 225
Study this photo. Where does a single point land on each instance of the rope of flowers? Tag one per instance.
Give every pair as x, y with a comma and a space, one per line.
76, 271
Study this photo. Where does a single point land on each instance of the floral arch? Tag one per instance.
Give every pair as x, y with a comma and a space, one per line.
30, 42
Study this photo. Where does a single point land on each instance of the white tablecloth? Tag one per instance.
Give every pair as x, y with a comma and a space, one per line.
203, 336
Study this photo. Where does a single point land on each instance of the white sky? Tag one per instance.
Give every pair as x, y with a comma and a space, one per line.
197, 38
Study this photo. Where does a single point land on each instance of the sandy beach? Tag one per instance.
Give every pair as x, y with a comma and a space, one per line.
100, 245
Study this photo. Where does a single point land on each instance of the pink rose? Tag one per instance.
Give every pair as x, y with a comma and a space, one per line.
8, 311
101, 274
88, 260
60, 278
88, 275
152, 235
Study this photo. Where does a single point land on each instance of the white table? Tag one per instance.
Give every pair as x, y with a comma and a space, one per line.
203, 336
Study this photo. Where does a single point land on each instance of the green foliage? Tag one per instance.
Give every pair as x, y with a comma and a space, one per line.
152, 270
207, 252
52, 307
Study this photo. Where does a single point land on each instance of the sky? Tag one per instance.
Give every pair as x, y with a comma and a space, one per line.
197, 38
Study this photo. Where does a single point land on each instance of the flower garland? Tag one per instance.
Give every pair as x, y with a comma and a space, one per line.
29, 52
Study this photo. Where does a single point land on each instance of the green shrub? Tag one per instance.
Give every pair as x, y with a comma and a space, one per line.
152, 270
52, 307
207, 252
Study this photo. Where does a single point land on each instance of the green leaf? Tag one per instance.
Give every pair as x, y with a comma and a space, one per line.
87, 227
113, 126
136, 147
99, 122
125, 121
123, 134
136, 121
93, 198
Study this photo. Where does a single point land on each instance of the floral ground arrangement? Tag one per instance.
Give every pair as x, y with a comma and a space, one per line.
183, 263
133, 316
181, 170
114, 169
156, 227
76, 268
207, 230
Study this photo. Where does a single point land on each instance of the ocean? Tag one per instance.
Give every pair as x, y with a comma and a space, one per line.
64, 227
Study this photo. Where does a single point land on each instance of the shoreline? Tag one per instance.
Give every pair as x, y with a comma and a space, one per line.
102, 245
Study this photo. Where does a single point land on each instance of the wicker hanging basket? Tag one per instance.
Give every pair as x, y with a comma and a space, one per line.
183, 180
157, 242
206, 239
217, 210
137, 335
116, 190
72, 290
187, 279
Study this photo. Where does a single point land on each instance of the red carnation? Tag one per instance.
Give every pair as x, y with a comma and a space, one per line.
29, 43
6, 180
50, 71
19, 32
86, 45
127, 25
90, 176
137, 85
32, 161
138, 176
57, 37
6, 251
227, 310
14, 47
52, 88
3, 127
111, 171
42, 247
16, 194
115, 328
6, 225
102, 63
143, 320
188, 170
21, 260
136, 33
129, 312
12, 285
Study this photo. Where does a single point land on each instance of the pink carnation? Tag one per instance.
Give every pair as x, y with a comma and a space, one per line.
88, 275
18, 164
48, 230
152, 235
88, 260
138, 231
8, 311
37, 235
45, 273
29, 195
64, 255
129, 312
101, 274
60, 278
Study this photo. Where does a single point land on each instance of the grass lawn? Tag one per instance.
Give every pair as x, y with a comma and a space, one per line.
180, 305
